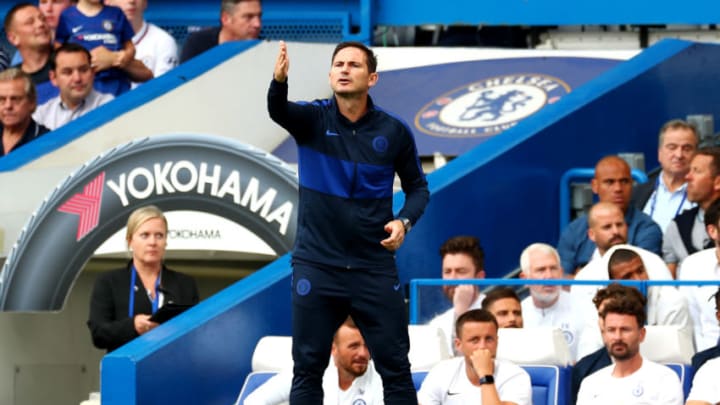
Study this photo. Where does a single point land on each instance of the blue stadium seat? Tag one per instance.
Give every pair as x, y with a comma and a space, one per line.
550, 384
252, 381
418, 377
685, 373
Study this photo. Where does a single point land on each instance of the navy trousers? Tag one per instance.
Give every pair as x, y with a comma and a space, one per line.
322, 298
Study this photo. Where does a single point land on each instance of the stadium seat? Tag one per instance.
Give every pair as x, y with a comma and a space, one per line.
539, 345
550, 384
272, 353
667, 344
418, 377
427, 347
252, 381
685, 373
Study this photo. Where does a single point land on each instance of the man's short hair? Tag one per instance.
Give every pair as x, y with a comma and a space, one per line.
626, 305
349, 322
468, 245
620, 256
369, 55
714, 153
677, 124
497, 294
68, 47
474, 315
540, 247
712, 214
617, 290
228, 6
11, 14
17, 74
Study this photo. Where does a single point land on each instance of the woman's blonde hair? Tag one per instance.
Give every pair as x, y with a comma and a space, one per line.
140, 216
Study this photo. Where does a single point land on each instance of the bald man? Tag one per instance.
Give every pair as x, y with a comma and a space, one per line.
613, 184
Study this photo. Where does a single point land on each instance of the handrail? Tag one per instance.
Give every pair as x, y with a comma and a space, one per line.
640, 285
582, 174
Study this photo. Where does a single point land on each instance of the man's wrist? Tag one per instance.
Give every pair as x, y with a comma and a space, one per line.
407, 225
487, 379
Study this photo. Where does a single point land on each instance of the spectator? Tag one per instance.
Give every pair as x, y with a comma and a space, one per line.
51, 9
550, 305
686, 233
504, 304
476, 376
701, 357
664, 195
705, 388
154, 47
632, 379
612, 183
116, 315
112, 50
462, 259
239, 20
17, 103
27, 31
71, 73
600, 358
703, 265
349, 379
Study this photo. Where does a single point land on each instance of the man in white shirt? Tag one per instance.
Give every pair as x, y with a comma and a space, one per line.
703, 265
550, 305
632, 379
349, 379
705, 388
476, 377
71, 73
462, 259
154, 47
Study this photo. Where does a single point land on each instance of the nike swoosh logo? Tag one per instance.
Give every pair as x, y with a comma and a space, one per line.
452, 393
331, 133
76, 29
396, 287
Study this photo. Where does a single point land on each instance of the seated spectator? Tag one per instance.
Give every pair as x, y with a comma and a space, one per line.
349, 379
113, 53
154, 47
550, 305
632, 379
701, 357
17, 103
51, 9
27, 31
504, 304
686, 233
462, 258
703, 265
71, 73
612, 183
116, 315
705, 388
239, 20
664, 195
600, 358
476, 376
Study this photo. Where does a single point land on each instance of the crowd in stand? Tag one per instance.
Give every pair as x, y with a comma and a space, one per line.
80, 55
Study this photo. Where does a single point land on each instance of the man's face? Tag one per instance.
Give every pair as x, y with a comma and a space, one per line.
608, 229
622, 335
15, 106
350, 352
73, 76
349, 72
676, 151
612, 183
631, 270
458, 266
544, 266
133, 9
244, 22
51, 9
508, 312
29, 30
701, 180
477, 335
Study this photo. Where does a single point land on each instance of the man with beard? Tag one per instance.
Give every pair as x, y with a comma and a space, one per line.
349, 379
632, 379
462, 259
686, 234
550, 305
504, 304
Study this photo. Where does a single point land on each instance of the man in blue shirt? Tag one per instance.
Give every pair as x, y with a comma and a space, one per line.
612, 183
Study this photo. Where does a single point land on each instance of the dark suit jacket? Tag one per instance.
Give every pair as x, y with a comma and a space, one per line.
701, 357
641, 193
109, 323
586, 366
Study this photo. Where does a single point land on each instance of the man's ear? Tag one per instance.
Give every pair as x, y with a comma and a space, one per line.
373, 79
712, 231
591, 234
12, 38
594, 186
